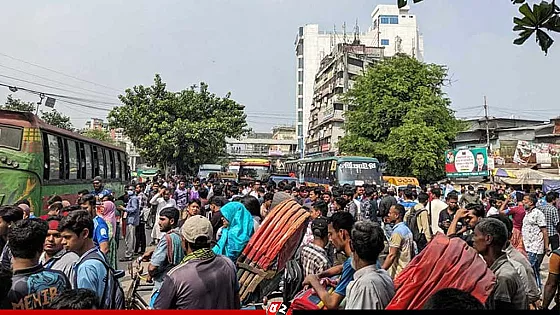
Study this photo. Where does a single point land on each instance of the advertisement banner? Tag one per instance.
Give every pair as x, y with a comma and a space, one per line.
466, 162
528, 152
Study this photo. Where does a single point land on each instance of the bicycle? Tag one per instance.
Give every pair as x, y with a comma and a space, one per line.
133, 299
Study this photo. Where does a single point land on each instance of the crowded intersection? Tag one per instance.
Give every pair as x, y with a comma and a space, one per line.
278, 157
165, 242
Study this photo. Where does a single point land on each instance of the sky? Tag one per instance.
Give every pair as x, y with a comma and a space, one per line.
246, 47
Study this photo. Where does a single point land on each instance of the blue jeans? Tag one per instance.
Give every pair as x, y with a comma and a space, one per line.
536, 260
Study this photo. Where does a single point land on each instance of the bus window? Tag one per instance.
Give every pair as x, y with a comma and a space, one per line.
125, 170
10, 137
95, 153
54, 157
89, 165
117, 165
72, 160
81, 161
111, 168
102, 169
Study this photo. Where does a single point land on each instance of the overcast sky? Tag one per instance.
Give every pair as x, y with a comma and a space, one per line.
247, 47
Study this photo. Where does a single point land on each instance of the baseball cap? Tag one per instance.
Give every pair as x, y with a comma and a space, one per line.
195, 227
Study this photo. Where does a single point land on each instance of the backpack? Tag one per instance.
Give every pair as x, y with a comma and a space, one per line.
113, 294
412, 223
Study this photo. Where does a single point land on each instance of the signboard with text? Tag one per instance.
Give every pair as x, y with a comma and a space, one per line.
466, 162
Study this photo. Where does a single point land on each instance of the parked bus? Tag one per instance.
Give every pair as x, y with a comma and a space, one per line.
38, 160
253, 169
401, 183
336, 170
205, 169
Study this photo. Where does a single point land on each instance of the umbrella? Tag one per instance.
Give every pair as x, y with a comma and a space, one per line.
501, 172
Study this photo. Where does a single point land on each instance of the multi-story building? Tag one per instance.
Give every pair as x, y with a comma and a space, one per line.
336, 76
394, 29
96, 124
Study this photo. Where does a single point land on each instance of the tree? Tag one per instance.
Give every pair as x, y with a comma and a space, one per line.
542, 18
401, 116
18, 105
98, 134
185, 128
57, 119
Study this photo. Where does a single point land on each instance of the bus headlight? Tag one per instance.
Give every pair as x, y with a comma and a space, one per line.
3, 159
9, 162
15, 164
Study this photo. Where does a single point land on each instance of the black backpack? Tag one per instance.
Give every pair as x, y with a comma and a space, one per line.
412, 223
113, 294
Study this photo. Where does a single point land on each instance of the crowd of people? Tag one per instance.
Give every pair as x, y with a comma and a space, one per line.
358, 239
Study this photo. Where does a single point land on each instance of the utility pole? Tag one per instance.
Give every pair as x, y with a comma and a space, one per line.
487, 125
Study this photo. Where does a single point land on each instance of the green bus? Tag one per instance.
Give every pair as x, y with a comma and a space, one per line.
336, 170
38, 160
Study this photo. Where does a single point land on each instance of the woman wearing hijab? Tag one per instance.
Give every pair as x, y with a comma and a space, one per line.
238, 228
107, 212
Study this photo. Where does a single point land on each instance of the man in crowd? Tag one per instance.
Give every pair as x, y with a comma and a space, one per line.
318, 209
8, 216
387, 201
490, 238
171, 242
98, 190
552, 218
422, 216
187, 286
54, 256
401, 244
521, 264
446, 217
313, 257
132, 221
162, 200
90, 271
435, 207
371, 288
181, 195
143, 208
535, 234
340, 226
33, 287
216, 203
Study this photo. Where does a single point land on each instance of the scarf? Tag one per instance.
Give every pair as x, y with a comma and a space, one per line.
202, 254
237, 234
108, 215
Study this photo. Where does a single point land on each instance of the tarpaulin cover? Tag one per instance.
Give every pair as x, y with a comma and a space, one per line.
551, 185
444, 263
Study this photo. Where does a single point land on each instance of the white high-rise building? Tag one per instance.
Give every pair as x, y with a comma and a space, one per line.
392, 28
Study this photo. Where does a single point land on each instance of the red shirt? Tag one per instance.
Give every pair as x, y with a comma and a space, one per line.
517, 214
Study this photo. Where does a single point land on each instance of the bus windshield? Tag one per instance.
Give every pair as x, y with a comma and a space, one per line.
255, 172
359, 173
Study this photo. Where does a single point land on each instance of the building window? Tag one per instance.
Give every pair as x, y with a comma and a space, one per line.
338, 106
300, 116
389, 19
300, 63
384, 42
300, 103
300, 76
300, 89
300, 130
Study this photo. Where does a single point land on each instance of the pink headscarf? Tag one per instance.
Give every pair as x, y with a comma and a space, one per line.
109, 215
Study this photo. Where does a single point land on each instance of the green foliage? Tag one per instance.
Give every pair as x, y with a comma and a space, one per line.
402, 117
18, 105
537, 20
57, 119
98, 134
186, 128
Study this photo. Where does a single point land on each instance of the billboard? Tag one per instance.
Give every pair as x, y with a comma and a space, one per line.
528, 152
466, 162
